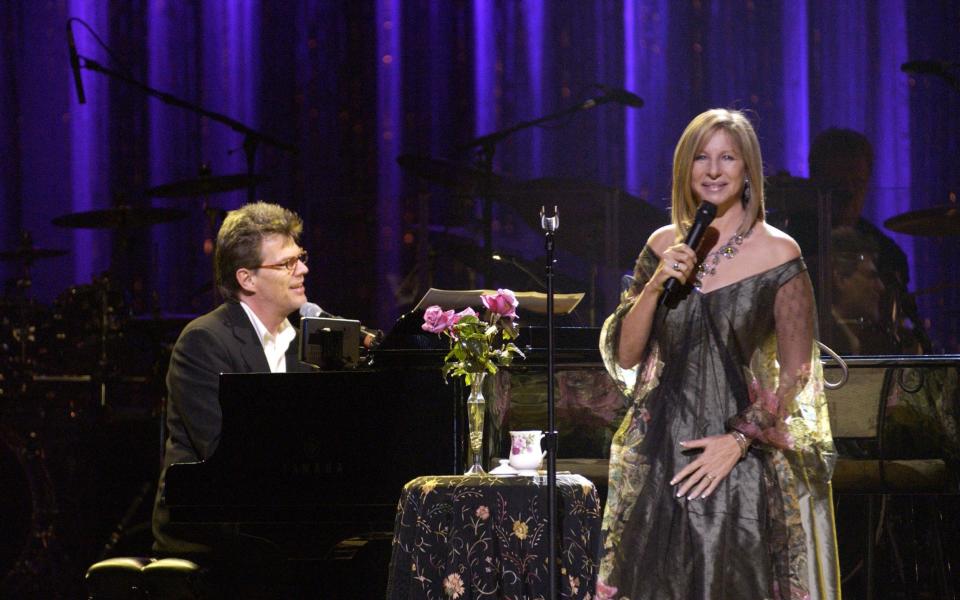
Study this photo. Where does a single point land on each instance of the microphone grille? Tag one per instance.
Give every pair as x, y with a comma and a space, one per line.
309, 309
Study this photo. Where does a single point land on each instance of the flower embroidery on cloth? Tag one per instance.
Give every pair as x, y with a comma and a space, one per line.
428, 486
520, 530
453, 586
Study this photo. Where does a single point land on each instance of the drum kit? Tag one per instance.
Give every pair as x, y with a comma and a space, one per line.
795, 196
804, 210
588, 209
81, 333
69, 371
586, 206
602, 230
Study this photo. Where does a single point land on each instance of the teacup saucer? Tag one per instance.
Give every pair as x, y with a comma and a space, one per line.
504, 468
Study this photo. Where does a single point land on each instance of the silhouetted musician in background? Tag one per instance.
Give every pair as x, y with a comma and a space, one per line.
841, 164
856, 295
259, 270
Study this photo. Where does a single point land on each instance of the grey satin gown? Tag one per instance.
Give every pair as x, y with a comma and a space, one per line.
725, 546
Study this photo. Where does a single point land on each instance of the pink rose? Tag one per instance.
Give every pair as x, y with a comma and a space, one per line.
604, 591
503, 303
437, 320
467, 312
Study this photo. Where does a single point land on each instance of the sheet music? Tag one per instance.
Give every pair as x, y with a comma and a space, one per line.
535, 302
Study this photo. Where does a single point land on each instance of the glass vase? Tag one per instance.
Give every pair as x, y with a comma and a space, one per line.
476, 409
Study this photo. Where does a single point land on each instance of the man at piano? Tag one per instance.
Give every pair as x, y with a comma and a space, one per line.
259, 270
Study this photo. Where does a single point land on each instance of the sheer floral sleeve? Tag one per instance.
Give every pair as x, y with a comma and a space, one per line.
625, 379
772, 401
643, 270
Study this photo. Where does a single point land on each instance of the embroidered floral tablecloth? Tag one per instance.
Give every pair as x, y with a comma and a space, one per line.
486, 537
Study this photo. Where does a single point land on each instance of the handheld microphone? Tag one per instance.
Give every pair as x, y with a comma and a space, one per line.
75, 63
369, 338
705, 214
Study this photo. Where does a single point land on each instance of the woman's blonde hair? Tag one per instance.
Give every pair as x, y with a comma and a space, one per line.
695, 136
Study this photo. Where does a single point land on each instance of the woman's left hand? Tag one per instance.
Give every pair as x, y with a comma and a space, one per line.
704, 474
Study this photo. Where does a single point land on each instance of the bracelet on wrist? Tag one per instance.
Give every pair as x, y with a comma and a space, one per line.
657, 289
742, 441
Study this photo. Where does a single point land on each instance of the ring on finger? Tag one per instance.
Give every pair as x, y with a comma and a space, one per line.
710, 477
676, 266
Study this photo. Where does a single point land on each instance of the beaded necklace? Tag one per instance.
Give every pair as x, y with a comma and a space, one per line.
709, 264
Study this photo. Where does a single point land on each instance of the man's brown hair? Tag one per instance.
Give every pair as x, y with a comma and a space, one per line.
240, 237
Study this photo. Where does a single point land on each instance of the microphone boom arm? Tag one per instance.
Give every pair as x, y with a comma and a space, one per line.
251, 137
490, 139
92, 65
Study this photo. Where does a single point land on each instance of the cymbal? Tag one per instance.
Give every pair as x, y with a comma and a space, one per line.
204, 185
31, 254
459, 177
788, 196
940, 287
936, 222
784, 180
570, 188
506, 269
120, 216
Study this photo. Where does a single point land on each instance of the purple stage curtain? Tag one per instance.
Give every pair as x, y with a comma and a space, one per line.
354, 84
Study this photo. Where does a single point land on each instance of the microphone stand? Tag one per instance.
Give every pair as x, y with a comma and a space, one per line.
550, 226
251, 137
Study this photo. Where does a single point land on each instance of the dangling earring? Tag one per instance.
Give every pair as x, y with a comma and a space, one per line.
746, 190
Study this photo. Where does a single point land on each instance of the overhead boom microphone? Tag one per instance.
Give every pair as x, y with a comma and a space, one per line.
927, 67
705, 214
622, 96
75, 63
618, 95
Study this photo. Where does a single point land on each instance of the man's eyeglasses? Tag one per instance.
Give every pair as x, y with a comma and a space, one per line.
290, 264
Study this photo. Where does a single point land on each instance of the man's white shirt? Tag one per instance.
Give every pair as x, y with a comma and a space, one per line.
274, 346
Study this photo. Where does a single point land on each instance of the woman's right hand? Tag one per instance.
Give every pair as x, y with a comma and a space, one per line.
679, 261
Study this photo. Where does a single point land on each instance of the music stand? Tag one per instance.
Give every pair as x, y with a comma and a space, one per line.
330, 344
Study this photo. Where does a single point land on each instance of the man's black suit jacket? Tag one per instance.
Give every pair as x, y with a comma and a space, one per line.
221, 341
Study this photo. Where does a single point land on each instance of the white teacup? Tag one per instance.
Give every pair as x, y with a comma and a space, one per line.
525, 453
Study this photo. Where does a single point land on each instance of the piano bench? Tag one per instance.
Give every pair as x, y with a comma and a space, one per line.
135, 578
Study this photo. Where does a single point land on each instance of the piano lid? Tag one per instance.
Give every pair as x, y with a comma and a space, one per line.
408, 345
407, 333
